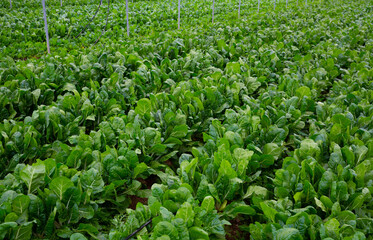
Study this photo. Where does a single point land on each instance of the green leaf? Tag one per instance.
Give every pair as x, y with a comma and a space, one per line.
332, 228
166, 215
59, 186
186, 213
6, 227
198, 233
241, 209
11, 217
168, 156
64, 232
158, 148
181, 228
36, 209
345, 217
179, 131
23, 232
326, 201
89, 228
78, 236
309, 148
71, 196
49, 226
341, 119
303, 91
92, 179
165, 229
243, 157
272, 149
233, 67
208, 203
73, 215
140, 168
269, 212
287, 234
226, 170
348, 155
33, 176
325, 182
300, 221
357, 202
267, 160
20, 204
308, 191
341, 192
143, 106
360, 153
320, 204
133, 188
221, 44
256, 191
69, 87
86, 212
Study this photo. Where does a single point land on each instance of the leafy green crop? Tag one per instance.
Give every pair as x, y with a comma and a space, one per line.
258, 127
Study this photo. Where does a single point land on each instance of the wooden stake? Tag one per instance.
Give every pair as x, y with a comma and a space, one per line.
239, 9
46, 25
128, 25
213, 10
178, 15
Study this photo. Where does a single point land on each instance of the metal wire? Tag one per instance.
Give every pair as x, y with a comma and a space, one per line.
99, 6
107, 18
138, 230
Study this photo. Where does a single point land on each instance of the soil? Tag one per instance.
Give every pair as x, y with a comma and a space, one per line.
148, 183
26, 58
197, 136
169, 163
233, 232
135, 200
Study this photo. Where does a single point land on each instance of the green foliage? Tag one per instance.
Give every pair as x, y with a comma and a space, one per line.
259, 126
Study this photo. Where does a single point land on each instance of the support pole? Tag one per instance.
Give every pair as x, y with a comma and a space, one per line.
213, 10
178, 16
128, 25
258, 6
46, 25
239, 9
287, 3
274, 5
10, 3
61, 3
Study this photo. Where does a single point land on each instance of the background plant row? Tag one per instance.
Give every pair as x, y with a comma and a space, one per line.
259, 127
